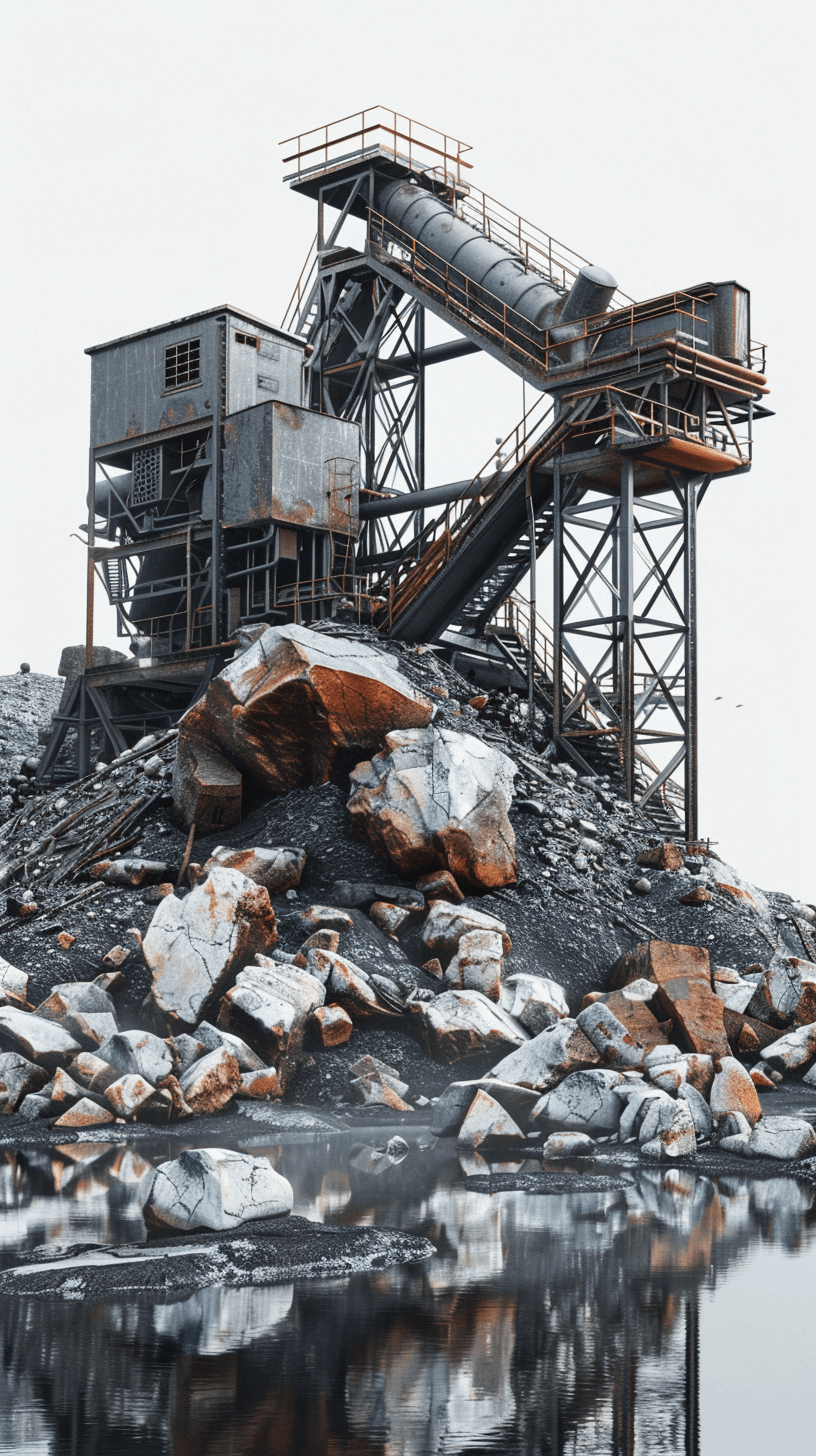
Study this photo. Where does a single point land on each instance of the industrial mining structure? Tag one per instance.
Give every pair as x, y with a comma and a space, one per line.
243, 473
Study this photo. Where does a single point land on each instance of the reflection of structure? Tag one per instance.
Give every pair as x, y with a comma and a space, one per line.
548, 1324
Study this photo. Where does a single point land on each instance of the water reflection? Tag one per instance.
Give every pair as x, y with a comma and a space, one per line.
552, 1324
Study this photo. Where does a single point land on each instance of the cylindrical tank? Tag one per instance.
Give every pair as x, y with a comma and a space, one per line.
499, 273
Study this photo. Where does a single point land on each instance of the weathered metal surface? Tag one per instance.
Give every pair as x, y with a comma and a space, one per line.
291, 465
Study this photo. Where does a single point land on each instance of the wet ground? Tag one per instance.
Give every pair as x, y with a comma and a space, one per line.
613, 1309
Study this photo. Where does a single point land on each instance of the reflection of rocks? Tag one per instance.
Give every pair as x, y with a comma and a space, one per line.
213, 1321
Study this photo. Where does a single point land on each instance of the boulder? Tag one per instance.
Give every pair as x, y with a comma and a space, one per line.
737, 1026
324, 917
736, 995
211, 1082
375, 1084
351, 987
568, 1145
675, 1137
672, 1071
440, 885
583, 1102
90, 1071
129, 1094
727, 880
438, 799
13, 984
778, 993
276, 869
449, 1110
805, 1013
84, 1113
18, 1077
213, 1037
38, 1040
782, 1137
188, 1049
792, 1051
476, 965
733, 1091
662, 857
461, 1023
262, 1086
292, 704
699, 1109
486, 1118
631, 1007
334, 1025
446, 924
207, 788
195, 946
268, 1007
137, 1052
213, 1188
369, 1066
609, 1036
321, 940
548, 1057
535, 1001
682, 974
359, 894
388, 918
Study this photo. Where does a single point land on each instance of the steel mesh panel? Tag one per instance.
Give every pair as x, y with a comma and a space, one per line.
146, 475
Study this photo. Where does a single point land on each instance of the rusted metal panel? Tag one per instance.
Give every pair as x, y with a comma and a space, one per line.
292, 465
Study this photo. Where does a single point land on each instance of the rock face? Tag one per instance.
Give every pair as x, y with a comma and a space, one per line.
460, 1023
549, 1057
276, 869
195, 946
436, 799
285, 710
683, 976
213, 1188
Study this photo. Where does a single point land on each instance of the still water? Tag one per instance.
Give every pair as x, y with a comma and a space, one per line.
671, 1315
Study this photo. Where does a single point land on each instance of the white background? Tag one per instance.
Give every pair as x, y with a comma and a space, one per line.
669, 143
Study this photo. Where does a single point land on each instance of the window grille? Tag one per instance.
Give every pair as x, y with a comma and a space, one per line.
147, 472
182, 364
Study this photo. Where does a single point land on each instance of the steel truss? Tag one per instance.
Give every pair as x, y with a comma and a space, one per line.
624, 617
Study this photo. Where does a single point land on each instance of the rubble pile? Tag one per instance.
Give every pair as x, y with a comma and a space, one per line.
454, 897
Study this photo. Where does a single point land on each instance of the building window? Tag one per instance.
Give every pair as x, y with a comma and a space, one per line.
182, 364
249, 339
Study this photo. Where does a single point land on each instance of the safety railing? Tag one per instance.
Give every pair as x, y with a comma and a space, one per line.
419, 147
294, 317
656, 419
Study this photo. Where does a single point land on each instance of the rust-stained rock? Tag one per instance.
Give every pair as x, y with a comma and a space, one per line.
390, 919
334, 1025
610, 1037
736, 1022
171, 1087
433, 967
440, 885
633, 1012
321, 940
84, 1113
268, 1007
92, 1072
277, 869
375, 1084
13, 984
38, 1040
132, 873
794, 1050
18, 1077
437, 799
195, 946
460, 1023
486, 1119
698, 896
115, 957
683, 977
733, 1091
727, 880
128, 1094
446, 924
761, 1080
207, 788
778, 993
748, 1044
325, 917
662, 857
535, 1001
477, 963
549, 1057
211, 1082
805, 1013
351, 987
262, 1086
288, 707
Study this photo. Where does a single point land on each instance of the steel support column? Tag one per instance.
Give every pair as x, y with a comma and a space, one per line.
690, 604
625, 632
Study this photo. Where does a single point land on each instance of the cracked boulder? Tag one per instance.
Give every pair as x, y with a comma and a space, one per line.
783, 1138
269, 1007
778, 993
583, 1102
462, 1023
438, 799
211, 1082
287, 709
213, 1188
675, 1135
447, 923
137, 1052
549, 1057
195, 946
682, 974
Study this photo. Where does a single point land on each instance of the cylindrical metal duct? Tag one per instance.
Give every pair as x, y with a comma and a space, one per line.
500, 273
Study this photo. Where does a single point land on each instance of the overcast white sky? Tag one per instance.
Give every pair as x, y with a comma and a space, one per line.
669, 143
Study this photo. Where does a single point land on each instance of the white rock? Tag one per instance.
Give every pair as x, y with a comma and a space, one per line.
18, 1077
268, 1007
666, 1052
778, 992
675, 1134
782, 1137
535, 1001
461, 1023
568, 1145
656, 1114
12, 980
128, 1094
734, 1124
276, 869
609, 1036
793, 1050
138, 1052
549, 1057
699, 1109
44, 1042
583, 1102
486, 1118
214, 1037
195, 946
214, 1188
736, 995
447, 923
733, 1091
477, 963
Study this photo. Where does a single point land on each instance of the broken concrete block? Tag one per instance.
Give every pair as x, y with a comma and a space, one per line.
778, 994
583, 1102
214, 1037
549, 1057
39, 1040
535, 1001
440, 885
128, 1094
207, 788
733, 1091
609, 1036
485, 1119
138, 1052
334, 1025
213, 1188
683, 977
262, 1086
477, 962
211, 1082
462, 1023
792, 1051
290, 706
18, 1077
662, 857
782, 1137
446, 924
195, 946
277, 869
568, 1145
84, 1113
437, 799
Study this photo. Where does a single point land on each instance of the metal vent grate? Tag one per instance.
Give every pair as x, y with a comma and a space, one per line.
147, 473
